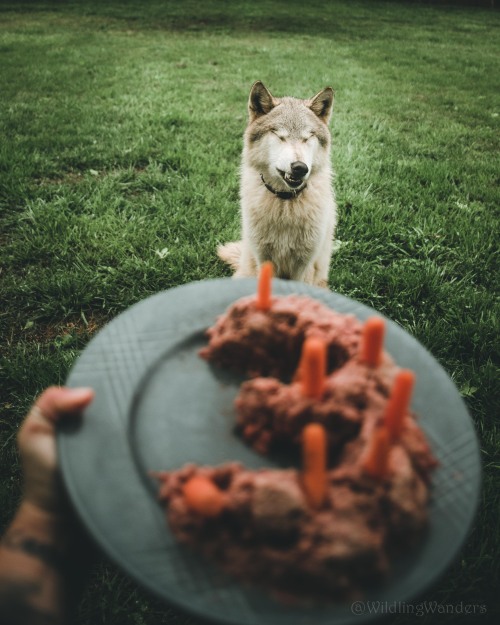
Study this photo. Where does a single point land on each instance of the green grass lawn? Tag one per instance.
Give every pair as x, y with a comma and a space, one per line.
120, 136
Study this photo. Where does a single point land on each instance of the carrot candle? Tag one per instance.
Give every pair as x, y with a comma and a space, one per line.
372, 341
314, 463
312, 367
399, 402
376, 461
264, 286
203, 496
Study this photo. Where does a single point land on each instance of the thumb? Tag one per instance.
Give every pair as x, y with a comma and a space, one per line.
57, 401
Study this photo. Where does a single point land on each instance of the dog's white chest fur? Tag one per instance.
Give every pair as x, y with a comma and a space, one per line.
288, 233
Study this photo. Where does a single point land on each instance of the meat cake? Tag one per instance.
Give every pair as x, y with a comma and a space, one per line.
269, 343
263, 526
268, 535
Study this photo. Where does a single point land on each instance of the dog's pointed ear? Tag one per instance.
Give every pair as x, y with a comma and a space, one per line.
322, 104
260, 102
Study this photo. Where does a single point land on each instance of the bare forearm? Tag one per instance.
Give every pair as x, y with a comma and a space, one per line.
33, 563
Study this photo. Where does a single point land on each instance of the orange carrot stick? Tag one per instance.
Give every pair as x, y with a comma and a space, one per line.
312, 367
376, 461
314, 463
264, 286
203, 496
372, 341
399, 401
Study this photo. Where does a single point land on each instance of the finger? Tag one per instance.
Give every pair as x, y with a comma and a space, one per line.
57, 401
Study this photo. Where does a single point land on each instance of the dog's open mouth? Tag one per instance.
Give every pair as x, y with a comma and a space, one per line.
291, 180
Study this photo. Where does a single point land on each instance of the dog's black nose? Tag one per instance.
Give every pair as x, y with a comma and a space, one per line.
299, 169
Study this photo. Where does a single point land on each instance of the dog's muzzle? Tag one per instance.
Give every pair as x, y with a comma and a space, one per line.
295, 178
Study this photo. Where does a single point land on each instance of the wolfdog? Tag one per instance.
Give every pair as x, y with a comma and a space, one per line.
288, 210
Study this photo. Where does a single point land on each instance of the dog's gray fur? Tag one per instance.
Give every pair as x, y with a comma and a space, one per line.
287, 217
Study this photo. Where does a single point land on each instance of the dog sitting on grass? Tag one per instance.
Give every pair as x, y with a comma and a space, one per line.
288, 210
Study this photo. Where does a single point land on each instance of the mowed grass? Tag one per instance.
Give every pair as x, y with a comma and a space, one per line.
121, 130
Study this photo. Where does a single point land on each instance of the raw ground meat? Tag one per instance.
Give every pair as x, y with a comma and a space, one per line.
265, 531
268, 535
269, 343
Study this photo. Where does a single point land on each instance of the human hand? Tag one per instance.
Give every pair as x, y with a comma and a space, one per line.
37, 444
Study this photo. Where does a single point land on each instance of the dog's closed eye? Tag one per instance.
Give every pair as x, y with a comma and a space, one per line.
282, 136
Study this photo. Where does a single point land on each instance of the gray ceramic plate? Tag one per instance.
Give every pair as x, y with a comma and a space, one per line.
158, 406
